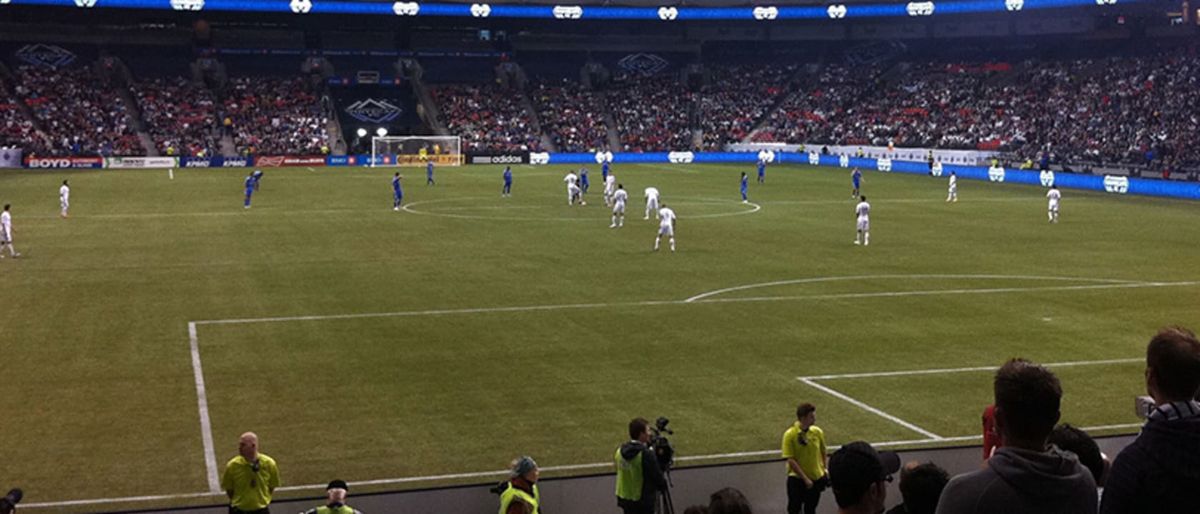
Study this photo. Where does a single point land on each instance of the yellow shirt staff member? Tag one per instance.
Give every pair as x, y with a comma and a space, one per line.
806, 454
250, 478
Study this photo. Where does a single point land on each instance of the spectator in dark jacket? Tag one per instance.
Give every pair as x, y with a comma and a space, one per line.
632, 497
1027, 475
1160, 470
920, 485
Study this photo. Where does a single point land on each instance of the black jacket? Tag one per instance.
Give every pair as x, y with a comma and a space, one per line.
1159, 472
653, 480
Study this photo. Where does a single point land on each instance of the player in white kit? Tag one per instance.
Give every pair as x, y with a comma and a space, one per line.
610, 188
666, 226
651, 202
619, 199
952, 196
863, 212
64, 198
573, 191
1052, 208
6, 238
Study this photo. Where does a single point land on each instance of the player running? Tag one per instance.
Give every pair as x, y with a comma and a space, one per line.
952, 195
584, 184
573, 191
249, 189
666, 226
762, 171
856, 179
258, 174
6, 238
507, 190
651, 195
604, 172
745, 187
429, 174
863, 212
1052, 208
64, 199
610, 188
619, 198
397, 192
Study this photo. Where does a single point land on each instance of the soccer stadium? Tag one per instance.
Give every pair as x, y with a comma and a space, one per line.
620, 256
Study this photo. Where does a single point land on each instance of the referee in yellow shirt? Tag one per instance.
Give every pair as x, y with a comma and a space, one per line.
807, 457
250, 478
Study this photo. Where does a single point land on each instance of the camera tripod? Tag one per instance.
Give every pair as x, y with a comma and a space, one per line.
664, 504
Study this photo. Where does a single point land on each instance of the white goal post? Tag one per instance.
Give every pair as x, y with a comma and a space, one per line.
416, 150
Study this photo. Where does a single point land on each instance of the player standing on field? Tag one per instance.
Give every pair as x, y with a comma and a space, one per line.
604, 172
429, 173
610, 188
584, 184
619, 198
651, 202
249, 189
745, 186
397, 192
863, 212
666, 226
762, 171
64, 198
1052, 208
573, 191
952, 196
6, 238
856, 179
507, 191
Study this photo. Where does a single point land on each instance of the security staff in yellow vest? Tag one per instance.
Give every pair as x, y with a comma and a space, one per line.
638, 477
336, 491
519, 495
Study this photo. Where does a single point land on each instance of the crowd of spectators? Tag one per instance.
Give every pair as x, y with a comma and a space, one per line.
78, 112
16, 130
180, 115
653, 113
275, 116
571, 115
736, 98
811, 114
489, 118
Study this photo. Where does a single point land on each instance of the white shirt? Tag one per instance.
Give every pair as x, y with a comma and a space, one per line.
666, 217
5, 221
620, 196
1054, 195
64, 193
610, 181
863, 210
651, 193
953, 180
571, 179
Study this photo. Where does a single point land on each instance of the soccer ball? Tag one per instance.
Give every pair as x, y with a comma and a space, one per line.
581, 202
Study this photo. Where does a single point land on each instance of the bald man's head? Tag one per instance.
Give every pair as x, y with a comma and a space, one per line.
248, 446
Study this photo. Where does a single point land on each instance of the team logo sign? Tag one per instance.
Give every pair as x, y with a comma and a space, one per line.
568, 12
844, 161
936, 170
1106, 2
836, 11
996, 174
883, 164
814, 158
765, 13
406, 8
85, 3
642, 63
45, 55
681, 157
667, 13
1047, 178
187, 5
1014, 5
1116, 184
373, 111
919, 8
766, 156
300, 6
603, 157
539, 158
481, 10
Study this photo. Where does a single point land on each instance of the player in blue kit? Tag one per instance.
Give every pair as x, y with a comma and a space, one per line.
429, 173
583, 180
856, 178
397, 193
257, 175
249, 189
507, 191
604, 172
745, 187
762, 171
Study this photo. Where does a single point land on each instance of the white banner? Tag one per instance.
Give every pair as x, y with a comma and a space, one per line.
963, 157
140, 162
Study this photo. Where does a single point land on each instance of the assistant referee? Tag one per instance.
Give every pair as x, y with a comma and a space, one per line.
250, 478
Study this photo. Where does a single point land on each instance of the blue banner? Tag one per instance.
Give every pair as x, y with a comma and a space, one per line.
214, 162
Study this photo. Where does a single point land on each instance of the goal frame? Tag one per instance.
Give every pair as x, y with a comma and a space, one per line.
382, 157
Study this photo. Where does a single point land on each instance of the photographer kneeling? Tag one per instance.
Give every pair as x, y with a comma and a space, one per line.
639, 478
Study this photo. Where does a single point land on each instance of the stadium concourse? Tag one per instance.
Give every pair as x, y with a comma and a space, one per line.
1126, 110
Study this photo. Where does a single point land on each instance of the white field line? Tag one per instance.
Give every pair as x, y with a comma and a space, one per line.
484, 474
937, 292
754, 207
830, 391
210, 456
941, 371
916, 277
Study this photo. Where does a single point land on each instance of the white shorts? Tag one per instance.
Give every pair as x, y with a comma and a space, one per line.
666, 230
652, 204
619, 208
864, 225
5, 236
953, 189
1053, 207
64, 204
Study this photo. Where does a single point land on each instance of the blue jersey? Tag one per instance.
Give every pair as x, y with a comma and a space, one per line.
507, 176
250, 183
857, 176
744, 182
762, 168
583, 176
604, 170
429, 169
396, 185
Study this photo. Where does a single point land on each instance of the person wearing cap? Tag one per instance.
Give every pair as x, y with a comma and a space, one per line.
336, 491
859, 475
519, 495
806, 454
250, 478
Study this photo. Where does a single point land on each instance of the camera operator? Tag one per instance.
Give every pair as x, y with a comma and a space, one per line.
639, 478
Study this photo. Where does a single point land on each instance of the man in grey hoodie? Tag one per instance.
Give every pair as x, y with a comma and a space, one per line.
1159, 472
1027, 475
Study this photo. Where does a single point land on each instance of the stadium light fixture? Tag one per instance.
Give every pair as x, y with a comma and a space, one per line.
362, 132
382, 132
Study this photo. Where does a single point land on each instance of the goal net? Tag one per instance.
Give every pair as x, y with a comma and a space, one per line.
416, 150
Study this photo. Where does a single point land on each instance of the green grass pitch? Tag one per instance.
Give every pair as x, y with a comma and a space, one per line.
530, 327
